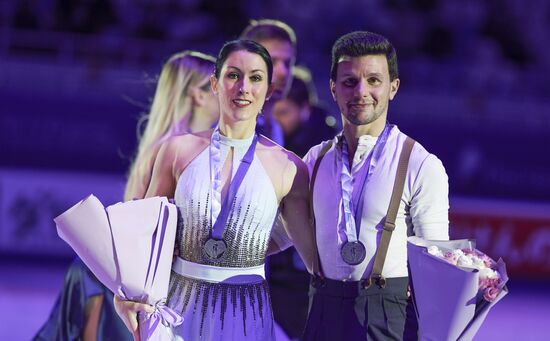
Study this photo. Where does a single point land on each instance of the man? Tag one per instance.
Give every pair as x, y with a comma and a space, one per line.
280, 41
351, 194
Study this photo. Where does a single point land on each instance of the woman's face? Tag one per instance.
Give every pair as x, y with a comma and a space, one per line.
242, 86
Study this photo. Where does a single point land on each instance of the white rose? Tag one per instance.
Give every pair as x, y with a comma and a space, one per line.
487, 273
458, 253
435, 251
465, 261
478, 263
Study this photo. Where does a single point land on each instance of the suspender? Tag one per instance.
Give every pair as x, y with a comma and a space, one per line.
389, 224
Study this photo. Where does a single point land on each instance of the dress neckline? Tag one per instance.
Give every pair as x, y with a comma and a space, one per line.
236, 143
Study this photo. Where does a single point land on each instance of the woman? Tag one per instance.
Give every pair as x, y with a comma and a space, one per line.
217, 283
183, 102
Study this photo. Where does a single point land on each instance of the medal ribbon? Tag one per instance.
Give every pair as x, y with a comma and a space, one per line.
219, 212
352, 220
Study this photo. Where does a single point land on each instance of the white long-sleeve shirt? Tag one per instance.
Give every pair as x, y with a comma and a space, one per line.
423, 210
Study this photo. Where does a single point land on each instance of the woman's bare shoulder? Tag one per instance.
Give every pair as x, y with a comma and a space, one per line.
277, 153
186, 142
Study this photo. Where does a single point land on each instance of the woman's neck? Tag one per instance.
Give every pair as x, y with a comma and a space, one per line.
237, 130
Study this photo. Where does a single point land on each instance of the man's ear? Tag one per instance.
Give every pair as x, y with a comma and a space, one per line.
332, 86
394, 86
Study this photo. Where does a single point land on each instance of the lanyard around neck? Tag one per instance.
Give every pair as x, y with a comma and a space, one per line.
352, 216
219, 212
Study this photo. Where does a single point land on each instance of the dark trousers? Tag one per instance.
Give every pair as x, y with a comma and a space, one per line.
351, 311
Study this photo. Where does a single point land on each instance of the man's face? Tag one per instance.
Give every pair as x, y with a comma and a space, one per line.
282, 54
363, 88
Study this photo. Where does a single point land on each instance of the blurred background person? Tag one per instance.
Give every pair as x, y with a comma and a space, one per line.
304, 121
183, 102
280, 41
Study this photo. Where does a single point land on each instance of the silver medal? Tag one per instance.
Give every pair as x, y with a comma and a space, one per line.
353, 253
214, 249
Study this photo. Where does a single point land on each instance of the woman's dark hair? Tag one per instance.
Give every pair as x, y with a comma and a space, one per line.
246, 45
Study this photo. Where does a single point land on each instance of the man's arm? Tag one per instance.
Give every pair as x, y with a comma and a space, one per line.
295, 212
429, 209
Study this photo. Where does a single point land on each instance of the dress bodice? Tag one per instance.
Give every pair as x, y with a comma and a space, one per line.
251, 217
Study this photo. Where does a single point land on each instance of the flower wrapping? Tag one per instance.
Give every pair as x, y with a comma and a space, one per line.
447, 290
129, 248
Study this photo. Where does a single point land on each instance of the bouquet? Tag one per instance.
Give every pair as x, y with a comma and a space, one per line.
129, 247
454, 286
491, 281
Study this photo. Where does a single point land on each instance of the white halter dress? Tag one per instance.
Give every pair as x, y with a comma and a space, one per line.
224, 299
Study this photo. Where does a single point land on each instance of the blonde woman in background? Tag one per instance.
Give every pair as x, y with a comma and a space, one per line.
183, 102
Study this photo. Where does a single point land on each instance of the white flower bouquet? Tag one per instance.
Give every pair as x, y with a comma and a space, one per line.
454, 286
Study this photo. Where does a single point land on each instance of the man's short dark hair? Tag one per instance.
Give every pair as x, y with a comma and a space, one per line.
363, 43
265, 29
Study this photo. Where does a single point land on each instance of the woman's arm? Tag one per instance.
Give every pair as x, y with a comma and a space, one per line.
140, 174
163, 182
128, 310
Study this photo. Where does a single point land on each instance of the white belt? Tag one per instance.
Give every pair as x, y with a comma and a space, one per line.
218, 274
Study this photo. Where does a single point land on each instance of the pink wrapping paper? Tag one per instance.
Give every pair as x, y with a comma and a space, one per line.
129, 247
85, 227
446, 297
